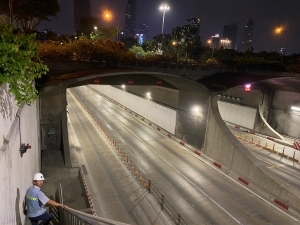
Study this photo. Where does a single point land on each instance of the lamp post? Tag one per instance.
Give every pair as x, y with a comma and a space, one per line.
280, 30
109, 17
164, 8
212, 47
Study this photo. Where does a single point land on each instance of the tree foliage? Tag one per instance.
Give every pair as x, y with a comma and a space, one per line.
82, 51
29, 13
19, 63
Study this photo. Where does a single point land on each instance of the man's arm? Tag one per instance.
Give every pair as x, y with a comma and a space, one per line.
54, 203
24, 208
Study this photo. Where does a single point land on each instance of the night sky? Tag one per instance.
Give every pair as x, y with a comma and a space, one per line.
214, 14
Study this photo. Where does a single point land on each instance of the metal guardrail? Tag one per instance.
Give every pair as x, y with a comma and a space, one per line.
165, 205
69, 216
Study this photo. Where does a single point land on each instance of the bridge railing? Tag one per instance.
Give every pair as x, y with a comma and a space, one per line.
208, 66
58, 68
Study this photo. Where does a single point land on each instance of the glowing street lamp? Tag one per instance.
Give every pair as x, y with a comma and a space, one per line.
278, 31
210, 42
164, 8
108, 17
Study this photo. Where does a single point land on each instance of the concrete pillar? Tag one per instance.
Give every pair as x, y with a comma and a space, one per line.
64, 125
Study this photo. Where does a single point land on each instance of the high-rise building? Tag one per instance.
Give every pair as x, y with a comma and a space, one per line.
230, 32
130, 18
82, 9
247, 37
225, 43
142, 34
215, 42
194, 22
143, 29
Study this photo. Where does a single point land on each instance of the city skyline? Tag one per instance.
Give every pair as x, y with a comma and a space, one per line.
130, 25
213, 14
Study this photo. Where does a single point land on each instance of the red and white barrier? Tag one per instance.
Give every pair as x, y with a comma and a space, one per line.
296, 145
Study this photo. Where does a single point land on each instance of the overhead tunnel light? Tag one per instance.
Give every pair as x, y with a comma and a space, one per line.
295, 108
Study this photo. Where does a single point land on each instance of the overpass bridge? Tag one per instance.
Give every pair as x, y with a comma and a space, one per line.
180, 89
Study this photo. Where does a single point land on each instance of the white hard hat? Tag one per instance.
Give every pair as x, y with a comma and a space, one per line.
38, 176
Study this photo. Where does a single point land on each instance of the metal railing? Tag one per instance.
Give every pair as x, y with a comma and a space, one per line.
165, 205
69, 216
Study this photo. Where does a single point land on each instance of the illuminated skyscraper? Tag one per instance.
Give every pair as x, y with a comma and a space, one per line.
82, 9
143, 29
194, 22
230, 32
130, 18
247, 38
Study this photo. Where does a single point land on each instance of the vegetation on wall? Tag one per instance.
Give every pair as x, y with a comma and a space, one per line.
19, 63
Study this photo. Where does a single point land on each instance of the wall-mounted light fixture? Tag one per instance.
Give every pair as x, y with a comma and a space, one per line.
295, 108
23, 148
196, 109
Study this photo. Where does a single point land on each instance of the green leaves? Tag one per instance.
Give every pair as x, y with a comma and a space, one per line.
19, 64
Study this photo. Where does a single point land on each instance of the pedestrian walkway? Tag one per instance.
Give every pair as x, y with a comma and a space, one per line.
55, 172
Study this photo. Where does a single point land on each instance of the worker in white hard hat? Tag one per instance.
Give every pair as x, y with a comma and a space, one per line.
34, 202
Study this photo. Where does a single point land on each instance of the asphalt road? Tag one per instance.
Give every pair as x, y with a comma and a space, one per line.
201, 193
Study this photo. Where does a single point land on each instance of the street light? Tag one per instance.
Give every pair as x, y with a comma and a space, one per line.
108, 17
280, 30
212, 47
164, 8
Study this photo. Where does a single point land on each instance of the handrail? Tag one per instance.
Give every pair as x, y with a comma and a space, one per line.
72, 216
165, 205
69, 216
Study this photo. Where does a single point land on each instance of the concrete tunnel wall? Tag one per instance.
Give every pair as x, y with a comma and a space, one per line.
17, 125
274, 114
281, 117
221, 145
53, 125
190, 125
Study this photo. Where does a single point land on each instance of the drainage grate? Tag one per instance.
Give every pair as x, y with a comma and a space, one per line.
84, 169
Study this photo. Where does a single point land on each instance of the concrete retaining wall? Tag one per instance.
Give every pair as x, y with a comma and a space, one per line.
16, 171
158, 114
190, 126
281, 117
221, 145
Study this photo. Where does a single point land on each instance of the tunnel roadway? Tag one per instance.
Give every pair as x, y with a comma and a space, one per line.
198, 191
